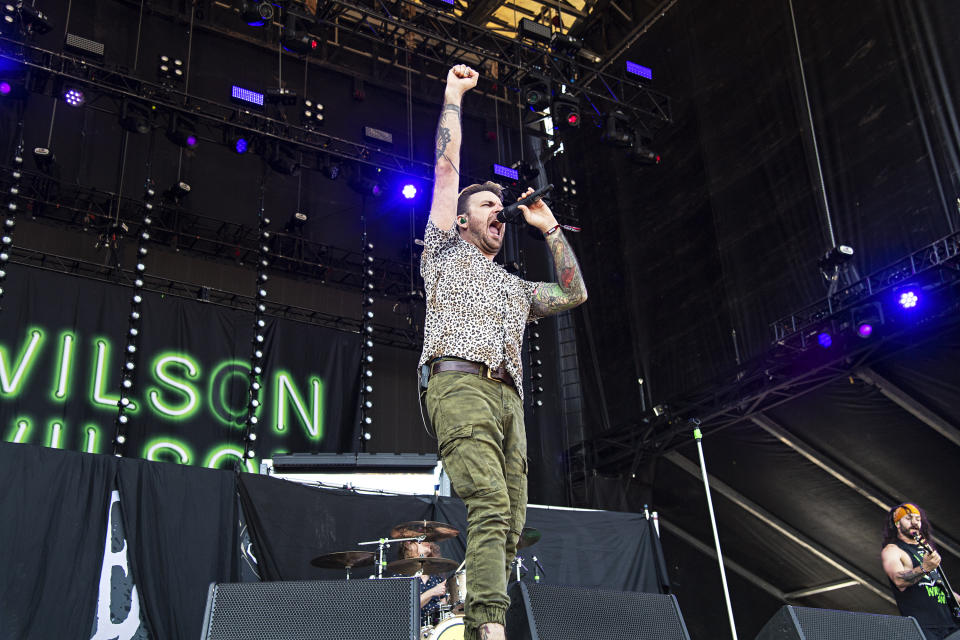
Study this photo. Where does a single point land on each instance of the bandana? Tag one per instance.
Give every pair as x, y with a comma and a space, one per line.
903, 510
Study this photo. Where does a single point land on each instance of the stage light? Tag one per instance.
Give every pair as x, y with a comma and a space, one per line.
535, 91
121, 438
130, 366
835, 257
127, 383
566, 111
640, 154
44, 159
282, 159
182, 131
312, 113
864, 330
296, 223
73, 96
179, 191
367, 404
409, 191
566, 44
250, 452
5, 88
366, 434
256, 14
252, 436
506, 172
908, 299
330, 168
253, 420
246, 96
617, 131
281, 96
169, 68
363, 184
295, 38
133, 331
639, 70
135, 117
369, 358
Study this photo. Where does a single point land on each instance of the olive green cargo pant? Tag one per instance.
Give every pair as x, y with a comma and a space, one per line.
479, 425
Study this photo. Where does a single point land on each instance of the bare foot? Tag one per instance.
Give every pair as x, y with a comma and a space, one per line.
492, 631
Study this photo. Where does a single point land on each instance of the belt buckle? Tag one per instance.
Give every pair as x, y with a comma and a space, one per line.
489, 373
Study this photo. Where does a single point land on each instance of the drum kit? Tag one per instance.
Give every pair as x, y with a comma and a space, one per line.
448, 625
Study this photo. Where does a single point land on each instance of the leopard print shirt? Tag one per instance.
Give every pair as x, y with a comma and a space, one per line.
475, 309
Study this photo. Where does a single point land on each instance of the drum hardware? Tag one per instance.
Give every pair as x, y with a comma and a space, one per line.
418, 566
382, 545
344, 560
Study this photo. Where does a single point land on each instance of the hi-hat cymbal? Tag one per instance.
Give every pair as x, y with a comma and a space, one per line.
432, 531
412, 566
344, 560
528, 537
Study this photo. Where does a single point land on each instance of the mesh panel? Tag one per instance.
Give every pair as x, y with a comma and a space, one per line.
828, 624
314, 610
561, 613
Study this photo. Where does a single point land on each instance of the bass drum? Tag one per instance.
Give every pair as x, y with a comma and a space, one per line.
448, 629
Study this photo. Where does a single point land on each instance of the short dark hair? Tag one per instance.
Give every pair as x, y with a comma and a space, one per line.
493, 187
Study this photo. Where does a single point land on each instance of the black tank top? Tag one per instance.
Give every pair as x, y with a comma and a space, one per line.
927, 600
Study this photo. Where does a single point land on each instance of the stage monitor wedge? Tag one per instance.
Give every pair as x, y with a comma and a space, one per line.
314, 609
806, 623
557, 612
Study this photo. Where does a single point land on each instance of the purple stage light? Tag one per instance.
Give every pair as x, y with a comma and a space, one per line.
824, 340
73, 97
639, 70
506, 172
908, 300
376, 190
5, 88
191, 141
865, 330
409, 191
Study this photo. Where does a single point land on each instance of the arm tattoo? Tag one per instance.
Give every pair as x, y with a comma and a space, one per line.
569, 290
443, 132
910, 577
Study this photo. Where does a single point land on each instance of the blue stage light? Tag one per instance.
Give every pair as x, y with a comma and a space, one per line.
506, 172
908, 300
409, 191
241, 145
824, 340
639, 70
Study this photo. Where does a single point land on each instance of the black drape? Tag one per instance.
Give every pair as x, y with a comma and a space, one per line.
291, 523
181, 526
603, 549
54, 511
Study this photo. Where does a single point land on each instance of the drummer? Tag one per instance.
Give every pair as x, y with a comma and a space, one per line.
433, 590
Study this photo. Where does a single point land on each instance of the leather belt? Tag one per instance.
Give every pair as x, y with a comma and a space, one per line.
476, 368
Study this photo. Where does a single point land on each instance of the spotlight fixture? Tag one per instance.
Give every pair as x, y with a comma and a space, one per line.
865, 319
527, 28
296, 223
835, 257
31, 20
409, 191
135, 117
535, 91
616, 130
640, 153
280, 96
359, 180
182, 131
282, 159
178, 191
311, 115
908, 299
639, 70
169, 68
73, 96
44, 159
566, 44
824, 339
256, 13
295, 37
330, 168
566, 111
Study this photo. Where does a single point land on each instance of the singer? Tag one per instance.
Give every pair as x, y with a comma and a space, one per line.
916, 579
476, 313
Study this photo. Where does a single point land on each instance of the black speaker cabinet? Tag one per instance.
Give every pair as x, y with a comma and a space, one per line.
555, 612
386, 609
805, 623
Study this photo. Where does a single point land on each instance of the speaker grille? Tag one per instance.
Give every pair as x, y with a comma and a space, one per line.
561, 613
313, 610
829, 624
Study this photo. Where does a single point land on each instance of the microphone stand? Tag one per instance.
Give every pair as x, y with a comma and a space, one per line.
698, 436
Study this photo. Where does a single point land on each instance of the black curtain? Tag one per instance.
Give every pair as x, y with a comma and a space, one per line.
54, 514
181, 526
292, 523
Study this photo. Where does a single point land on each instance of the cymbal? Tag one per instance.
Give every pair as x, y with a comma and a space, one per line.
432, 531
344, 560
528, 537
430, 566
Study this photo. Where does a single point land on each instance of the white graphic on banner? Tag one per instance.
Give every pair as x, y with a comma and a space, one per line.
118, 607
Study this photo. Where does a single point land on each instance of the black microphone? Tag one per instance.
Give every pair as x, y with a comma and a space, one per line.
512, 213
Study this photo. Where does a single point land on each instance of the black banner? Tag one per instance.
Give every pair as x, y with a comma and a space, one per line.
62, 348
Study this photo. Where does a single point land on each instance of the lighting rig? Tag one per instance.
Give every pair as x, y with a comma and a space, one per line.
258, 342
128, 373
366, 337
10, 221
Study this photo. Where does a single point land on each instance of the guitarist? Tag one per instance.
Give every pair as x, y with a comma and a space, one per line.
912, 565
